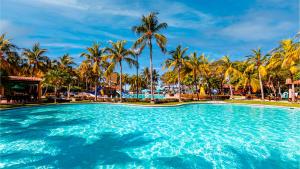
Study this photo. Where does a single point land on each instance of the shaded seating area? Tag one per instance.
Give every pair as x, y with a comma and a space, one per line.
18, 89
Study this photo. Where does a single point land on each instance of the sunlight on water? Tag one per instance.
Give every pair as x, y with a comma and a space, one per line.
117, 136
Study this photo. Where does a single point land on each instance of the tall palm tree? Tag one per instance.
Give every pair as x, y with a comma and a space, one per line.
257, 61
65, 64
148, 30
231, 73
137, 53
9, 59
193, 64
85, 72
95, 57
205, 72
177, 61
287, 56
249, 78
36, 59
117, 53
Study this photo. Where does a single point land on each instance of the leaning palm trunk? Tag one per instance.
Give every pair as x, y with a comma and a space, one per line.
179, 85
121, 71
151, 72
261, 87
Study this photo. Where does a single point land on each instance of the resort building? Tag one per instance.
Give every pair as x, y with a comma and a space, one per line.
18, 89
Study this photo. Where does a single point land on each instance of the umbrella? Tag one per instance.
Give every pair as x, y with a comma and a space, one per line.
18, 87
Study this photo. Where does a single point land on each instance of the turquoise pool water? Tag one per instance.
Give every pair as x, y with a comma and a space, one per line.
118, 136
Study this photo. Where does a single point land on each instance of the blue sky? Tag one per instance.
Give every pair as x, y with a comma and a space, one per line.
213, 27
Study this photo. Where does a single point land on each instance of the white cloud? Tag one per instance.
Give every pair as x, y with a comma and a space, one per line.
259, 25
64, 45
62, 3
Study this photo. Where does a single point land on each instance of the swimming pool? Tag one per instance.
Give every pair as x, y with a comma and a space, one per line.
120, 136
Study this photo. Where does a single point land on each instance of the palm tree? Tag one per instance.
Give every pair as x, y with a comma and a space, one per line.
249, 78
287, 56
65, 64
205, 72
94, 56
9, 58
149, 29
56, 78
177, 61
66, 61
257, 61
36, 59
193, 65
117, 53
231, 73
137, 53
147, 76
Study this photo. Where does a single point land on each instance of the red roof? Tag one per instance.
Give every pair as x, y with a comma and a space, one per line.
21, 78
289, 81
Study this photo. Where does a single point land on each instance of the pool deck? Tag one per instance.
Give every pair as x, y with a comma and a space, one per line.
172, 104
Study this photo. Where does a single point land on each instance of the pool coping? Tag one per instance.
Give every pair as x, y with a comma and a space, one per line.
153, 106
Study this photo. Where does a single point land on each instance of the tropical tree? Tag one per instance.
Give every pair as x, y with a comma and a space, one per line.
257, 61
55, 78
192, 67
231, 73
146, 75
85, 72
9, 59
287, 56
65, 63
36, 60
169, 78
117, 53
177, 61
148, 30
206, 73
94, 58
137, 53
249, 79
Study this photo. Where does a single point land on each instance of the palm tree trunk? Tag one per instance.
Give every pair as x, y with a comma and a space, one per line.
69, 88
293, 89
279, 88
261, 87
179, 85
55, 94
231, 91
137, 77
86, 83
96, 90
195, 84
45, 90
151, 72
249, 89
121, 71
